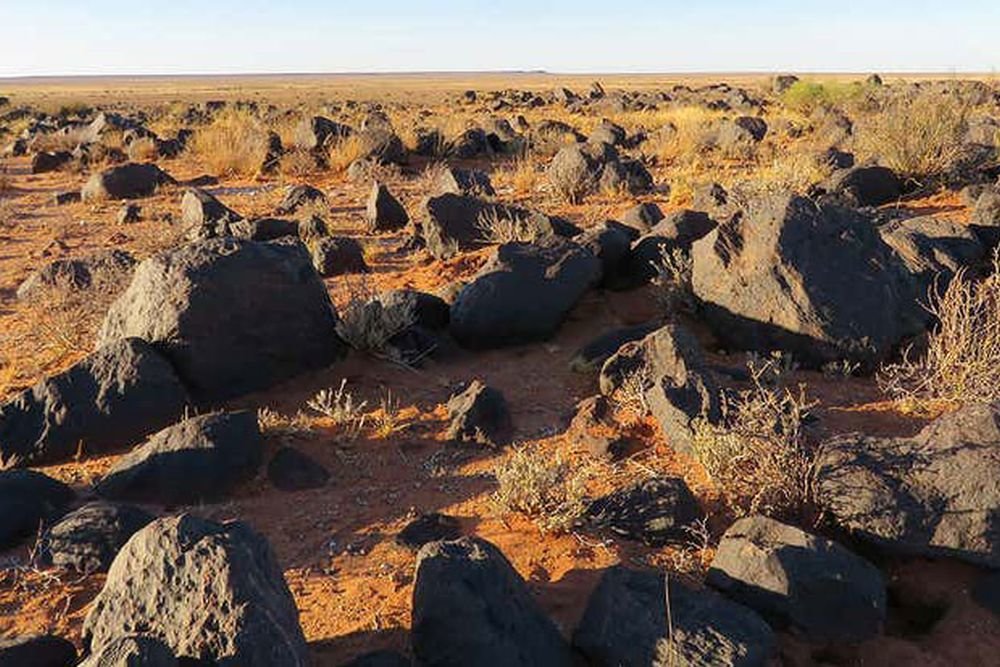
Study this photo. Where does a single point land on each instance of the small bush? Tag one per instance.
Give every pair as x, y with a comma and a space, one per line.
673, 280
367, 326
542, 487
389, 419
808, 96
962, 361
757, 454
234, 144
143, 150
524, 176
344, 152
496, 226
339, 406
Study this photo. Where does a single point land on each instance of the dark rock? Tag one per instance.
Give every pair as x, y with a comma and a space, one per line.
64, 198
523, 294
654, 512
594, 354
275, 151
43, 163
29, 500
453, 223
338, 255
205, 216
642, 216
866, 186
472, 182
133, 651
383, 212
104, 267
607, 132
471, 143
380, 659
986, 592
783, 82
198, 459
319, 132
291, 470
578, 170
837, 159
129, 213
381, 146
813, 280
470, 607
794, 578
426, 310
935, 494
277, 317
87, 539
626, 623
113, 398
37, 651
297, 196
592, 429
129, 181
933, 249
208, 591
611, 243
479, 415
264, 229
429, 528
985, 217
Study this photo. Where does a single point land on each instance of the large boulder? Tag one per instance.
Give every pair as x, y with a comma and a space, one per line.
793, 578
37, 651
113, 398
89, 538
43, 163
198, 459
233, 316
811, 279
29, 500
522, 294
579, 170
668, 367
935, 494
933, 249
453, 223
865, 186
338, 255
627, 622
470, 607
207, 590
128, 181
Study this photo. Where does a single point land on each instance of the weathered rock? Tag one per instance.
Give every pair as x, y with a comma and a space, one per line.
578, 170
64, 198
37, 651
654, 512
936, 494
133, 651
291, 470
593, 429
813, 280
29, 500
425, 310
129, 214
42, 163
319, 132
793, 578
383, 212
985, 217
608, 133
204, 216
933, 249
627, 623
453, 223
866, 186
198, 459
338, 255
428, 528
128, 181
669, 368
232, 316
381, 146
89, 538
611, 242
642, 216
207, 590
104, 267
297, 196
593, 355
456, 181
471, 143
113, 398
470, 607
479, 415
523, 294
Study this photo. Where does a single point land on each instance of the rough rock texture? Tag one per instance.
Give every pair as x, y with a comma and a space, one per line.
113, 398
102, 267
592, 356
933, 249
338, 255
470, 607
428, 528
463, 182
625, 623
133, 651
128, 181
936, 494
232, 316
207, 590
814, 280
89, 538
198, 459
522, 294
792, 577
204, 216
383, 212
479, 415
866, 186
655, 512
297, 196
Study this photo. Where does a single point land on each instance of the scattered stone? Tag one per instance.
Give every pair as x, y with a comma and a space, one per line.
195, 460
592, 356
87, 539
866, 186
479, 415
593, 430
43, 163
64, 198
277, 315
29, 500
104, 266
205, 216
642, 216
626, 623
793, 578
383, 212
338, 255
471, 182
429, 528
470, 607
207, 590
654, 512
113, 398
297, 196
128, 181
426, 310
291, 470
129, 213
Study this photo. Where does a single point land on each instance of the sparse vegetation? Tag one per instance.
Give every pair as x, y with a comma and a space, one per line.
368, 326
339, 406
540, 486
234, 144
388, 420
497, 226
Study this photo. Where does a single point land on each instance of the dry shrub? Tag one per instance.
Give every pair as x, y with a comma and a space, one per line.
809, 96
684, 134
498, 226
283, 427
143, 150
367, 326
299, 162
234, 144
917, 137
344, 152
788, 171
673, 280
962, 361
540, 486
757, 454
523, 175
389, 419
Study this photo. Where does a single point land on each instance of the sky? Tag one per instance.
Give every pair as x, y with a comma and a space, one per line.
107, 37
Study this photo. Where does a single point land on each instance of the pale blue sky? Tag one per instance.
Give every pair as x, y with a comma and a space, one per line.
225, 36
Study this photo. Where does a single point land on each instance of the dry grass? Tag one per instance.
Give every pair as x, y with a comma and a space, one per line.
367, 326
496, 226
540, 486
522, 175
962, 361
918, 138
143, 150
673, 281
339, 406
234, 144
299, 162
757, 454
344, 152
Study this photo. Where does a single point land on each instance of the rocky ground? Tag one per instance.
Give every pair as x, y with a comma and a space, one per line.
470, 371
